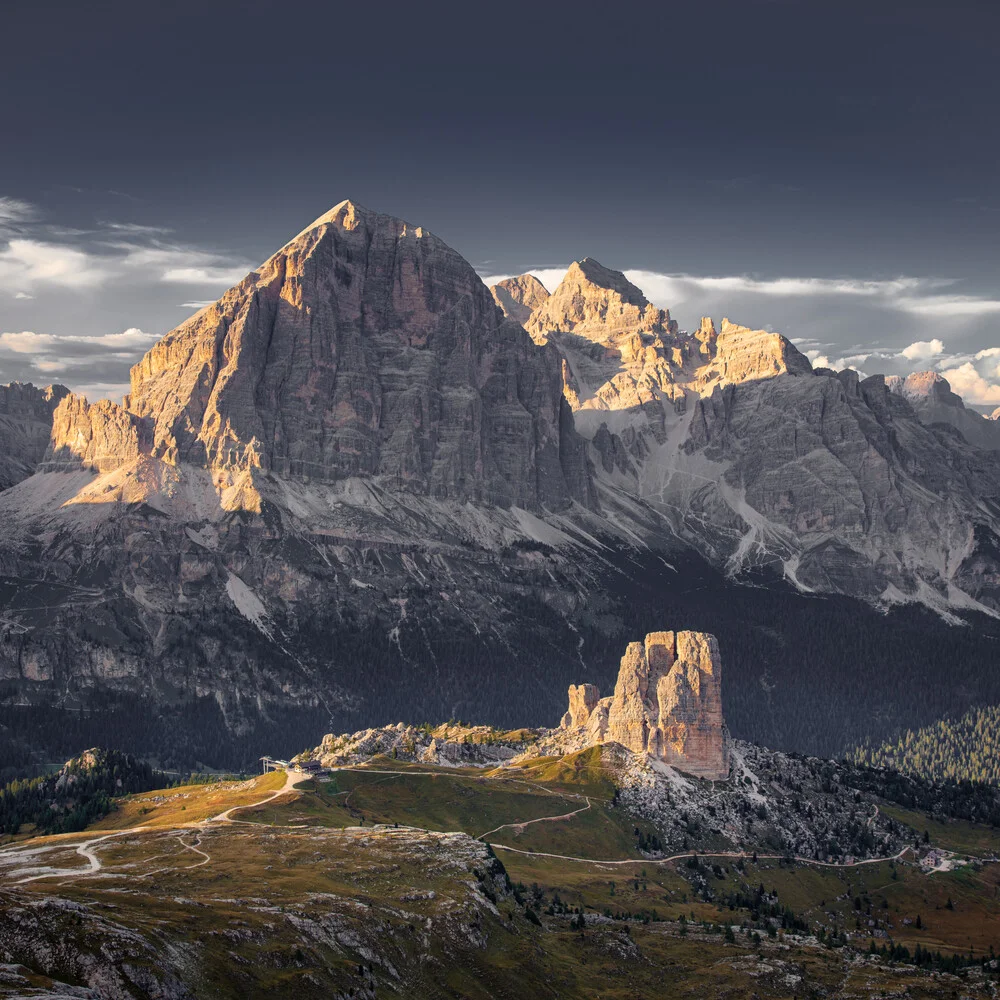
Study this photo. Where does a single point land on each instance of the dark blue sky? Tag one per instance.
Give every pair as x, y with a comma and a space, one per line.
773, 139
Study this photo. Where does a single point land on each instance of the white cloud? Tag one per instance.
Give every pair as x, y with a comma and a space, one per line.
971, 385
126, 344
199, 304
27, 342
23, 295
27, 263
36, 254
948, 306
223, 276
13, 211
50, 367
922, 350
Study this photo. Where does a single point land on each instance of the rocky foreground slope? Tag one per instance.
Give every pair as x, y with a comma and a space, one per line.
353, 489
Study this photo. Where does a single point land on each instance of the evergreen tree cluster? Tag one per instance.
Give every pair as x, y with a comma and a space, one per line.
963, 749
975, 801
77, 794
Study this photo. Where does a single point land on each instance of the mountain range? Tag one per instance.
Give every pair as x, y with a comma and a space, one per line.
362, 486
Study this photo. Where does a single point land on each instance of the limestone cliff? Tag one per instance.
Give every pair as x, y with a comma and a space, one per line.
25, 427
667, 703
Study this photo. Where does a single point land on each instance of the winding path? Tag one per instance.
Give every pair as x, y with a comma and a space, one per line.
745, 855
86, 848
519, 827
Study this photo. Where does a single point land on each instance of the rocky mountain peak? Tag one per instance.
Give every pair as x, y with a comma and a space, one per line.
919, 386
667, 704
592, 272
995, 415
519, 297
934, 402
744, 355
364, 347
599, 304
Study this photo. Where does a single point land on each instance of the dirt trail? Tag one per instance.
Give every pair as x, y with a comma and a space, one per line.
745, 855
15, 858
519, 827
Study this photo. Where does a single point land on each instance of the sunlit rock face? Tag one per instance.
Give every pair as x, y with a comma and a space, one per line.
519, 297
100, 436
932, 399
755, 460
364, 347
25, 426
667, 703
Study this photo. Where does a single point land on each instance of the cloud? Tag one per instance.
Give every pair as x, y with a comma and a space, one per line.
23, 295
27, 342
948, 306
34, 253
28, 263
79, 360
198, 304
135, 229
971, 385
921, 350
224, 276
14, 212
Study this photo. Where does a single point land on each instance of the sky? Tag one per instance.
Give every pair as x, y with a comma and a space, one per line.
827, 170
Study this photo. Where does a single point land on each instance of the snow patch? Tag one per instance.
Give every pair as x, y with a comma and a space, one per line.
248, 603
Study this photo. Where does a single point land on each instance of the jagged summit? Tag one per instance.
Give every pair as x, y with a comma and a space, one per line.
519, 297
667, 703
595, 273
349, 215
597, 303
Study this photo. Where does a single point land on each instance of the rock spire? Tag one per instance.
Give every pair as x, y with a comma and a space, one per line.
667, 704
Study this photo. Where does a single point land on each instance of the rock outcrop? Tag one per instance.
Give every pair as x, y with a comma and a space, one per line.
995, 415
25, 428
667, 704
519, 297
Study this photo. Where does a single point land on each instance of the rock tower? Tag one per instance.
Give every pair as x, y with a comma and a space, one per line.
667, 703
